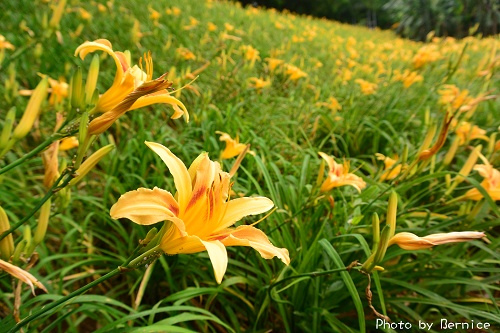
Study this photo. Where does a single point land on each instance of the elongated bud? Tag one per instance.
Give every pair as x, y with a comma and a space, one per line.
452, 151
321, 174
379, 254
392, 210
376, 231
56, 16
6, 244
84, 124
90, 162
409, 241
41, 228
92, 79
151, 234
491, 144
32, 110
466, 169
7, 127
77, 89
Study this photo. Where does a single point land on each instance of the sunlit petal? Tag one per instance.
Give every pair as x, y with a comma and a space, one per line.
241, 207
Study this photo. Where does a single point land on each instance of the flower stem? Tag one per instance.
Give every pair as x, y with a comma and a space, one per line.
62, 300
47, 196
42, 146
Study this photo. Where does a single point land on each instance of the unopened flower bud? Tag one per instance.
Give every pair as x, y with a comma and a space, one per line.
90, 162
32, 110
6, 244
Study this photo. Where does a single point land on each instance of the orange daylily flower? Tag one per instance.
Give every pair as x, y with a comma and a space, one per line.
200, 215
233, 146
391, 171
131, 89
294, 72
338, 175
259, 83
466, 132
491, 183
367, 88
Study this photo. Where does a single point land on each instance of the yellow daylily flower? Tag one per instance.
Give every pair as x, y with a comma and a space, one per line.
131, 89
466, 132
367, 88
294, 72
201, 212
391, 171
338, 175
4, 44
259, 83
273, 63
409, 241
233, 146
491, 183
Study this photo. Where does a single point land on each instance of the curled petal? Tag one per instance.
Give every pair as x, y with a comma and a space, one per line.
247, 235
409, 241
218, 256
163, 97
145, 206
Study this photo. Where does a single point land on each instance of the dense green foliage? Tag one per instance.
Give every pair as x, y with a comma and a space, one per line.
287, 123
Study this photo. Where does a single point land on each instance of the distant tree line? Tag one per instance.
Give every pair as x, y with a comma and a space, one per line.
410, 18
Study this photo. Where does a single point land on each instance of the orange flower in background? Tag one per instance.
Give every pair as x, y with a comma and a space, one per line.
491, 183
453, 96
408, 78
333, 104
338, 175
294, 73
425, 55
185, 54
259, 83
233, 146
175, 11
200, 216
251, 54
466, 132
367, 88
193, 23
4, 44
391, 171
273, 63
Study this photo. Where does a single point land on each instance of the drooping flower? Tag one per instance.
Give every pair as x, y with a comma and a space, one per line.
338, 175
132, 88
201, 213
233, 146
409, 241
22, 275
491, 183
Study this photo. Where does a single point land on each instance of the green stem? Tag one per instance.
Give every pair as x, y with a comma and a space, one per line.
42, 146
64, 299
310, 274
47, 196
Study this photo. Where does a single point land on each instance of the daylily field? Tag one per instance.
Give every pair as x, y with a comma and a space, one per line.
196, 166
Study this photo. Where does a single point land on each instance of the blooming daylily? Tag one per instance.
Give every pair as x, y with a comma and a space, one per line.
491, 183
367, 88
131, 89
338, 175
409, 241
259, 83
200, 214
390, 171
466, 132
233, 146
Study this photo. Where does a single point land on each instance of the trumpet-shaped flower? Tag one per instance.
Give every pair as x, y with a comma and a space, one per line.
233, 146
491, 183
131, 89
200, 214
294, 72
409, 241
338, 175
367, 88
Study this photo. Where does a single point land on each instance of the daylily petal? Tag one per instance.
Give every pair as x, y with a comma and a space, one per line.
247, 235
105, 46
145, 206
163, 97
178, 170
218, 256
329, 160
116, 93
241, 207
